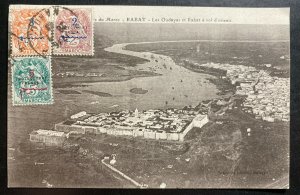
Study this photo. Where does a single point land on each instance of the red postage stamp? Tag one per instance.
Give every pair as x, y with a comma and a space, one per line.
30, 32
73, 31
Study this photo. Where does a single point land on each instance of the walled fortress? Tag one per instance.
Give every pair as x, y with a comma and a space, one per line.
148, 125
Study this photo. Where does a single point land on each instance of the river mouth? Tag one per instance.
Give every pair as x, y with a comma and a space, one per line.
175, 86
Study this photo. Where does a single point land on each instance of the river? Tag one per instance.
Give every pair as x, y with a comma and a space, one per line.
175, 87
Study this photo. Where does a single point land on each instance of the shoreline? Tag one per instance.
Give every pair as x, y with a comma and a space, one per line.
259, 86
121, 159
217, 81
61, 84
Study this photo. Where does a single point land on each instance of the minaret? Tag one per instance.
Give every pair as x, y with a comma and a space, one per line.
67, 111
198, 48
136, 113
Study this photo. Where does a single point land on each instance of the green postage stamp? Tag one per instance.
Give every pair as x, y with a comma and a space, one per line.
31, 81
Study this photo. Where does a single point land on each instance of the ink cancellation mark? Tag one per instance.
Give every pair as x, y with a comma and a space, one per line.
31, 81
73, 31
30, 32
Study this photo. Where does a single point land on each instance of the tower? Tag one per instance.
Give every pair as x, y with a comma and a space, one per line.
67, 111
198, 48
136, 113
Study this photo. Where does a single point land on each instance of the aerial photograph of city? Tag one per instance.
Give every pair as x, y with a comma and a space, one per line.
161, 105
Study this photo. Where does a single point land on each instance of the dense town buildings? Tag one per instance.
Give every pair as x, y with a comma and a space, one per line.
267, 97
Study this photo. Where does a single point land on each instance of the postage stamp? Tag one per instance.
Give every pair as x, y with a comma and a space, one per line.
31, 81
73, 31
30, 29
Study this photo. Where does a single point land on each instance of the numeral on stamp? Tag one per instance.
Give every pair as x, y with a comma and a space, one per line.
30, 32
31, 81
73, 31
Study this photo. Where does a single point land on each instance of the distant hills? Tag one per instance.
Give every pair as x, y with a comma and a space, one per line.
102, 41
108, 33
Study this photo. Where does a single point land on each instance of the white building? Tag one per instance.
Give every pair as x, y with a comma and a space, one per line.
78, 115
200, 120
48, 137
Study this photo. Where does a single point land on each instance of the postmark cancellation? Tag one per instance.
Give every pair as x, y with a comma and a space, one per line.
30, 31
73, 31
51, 30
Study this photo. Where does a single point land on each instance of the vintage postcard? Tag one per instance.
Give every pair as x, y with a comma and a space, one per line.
148, 97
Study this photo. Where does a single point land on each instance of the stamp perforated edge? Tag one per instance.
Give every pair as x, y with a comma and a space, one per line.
34, 54
52, 31
55, 53
51, 83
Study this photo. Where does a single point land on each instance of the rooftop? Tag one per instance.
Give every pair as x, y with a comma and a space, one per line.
47, 133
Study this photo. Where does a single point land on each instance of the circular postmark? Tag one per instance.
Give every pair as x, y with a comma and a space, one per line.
50, 26
39, 29
62, 26
73, 31
32, 30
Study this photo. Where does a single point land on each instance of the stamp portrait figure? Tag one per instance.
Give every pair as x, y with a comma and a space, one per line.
32, 81
31, 32
73, 32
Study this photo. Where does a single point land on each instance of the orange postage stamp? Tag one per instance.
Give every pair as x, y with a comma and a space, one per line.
30, 32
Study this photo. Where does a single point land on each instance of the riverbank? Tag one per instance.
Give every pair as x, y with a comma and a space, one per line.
222, 154
63, 82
